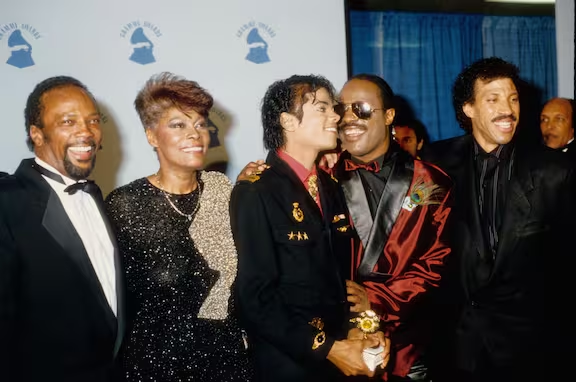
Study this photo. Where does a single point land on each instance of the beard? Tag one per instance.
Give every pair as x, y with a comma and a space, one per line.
78, 173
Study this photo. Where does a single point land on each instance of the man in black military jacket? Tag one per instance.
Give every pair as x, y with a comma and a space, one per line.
292, 229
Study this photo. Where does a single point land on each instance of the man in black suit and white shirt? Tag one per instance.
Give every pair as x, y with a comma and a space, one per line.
60, 279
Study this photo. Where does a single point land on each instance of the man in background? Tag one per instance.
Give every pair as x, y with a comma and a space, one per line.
557, 124
411, 136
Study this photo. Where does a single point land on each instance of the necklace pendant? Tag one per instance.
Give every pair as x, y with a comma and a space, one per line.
189, 218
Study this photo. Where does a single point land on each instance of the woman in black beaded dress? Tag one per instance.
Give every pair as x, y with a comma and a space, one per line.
174, 234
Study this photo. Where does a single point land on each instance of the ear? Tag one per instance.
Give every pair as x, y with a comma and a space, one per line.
468, 110
37, 135
390, 114
151, 136
420, 144
288, 121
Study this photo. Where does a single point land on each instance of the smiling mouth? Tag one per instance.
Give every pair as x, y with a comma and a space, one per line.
193, 149
504, 125
82, 153
352, 132
332, 129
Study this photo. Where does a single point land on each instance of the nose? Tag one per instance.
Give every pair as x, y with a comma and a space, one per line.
505, 107
334, 116
348, 114
83, 129
192, 133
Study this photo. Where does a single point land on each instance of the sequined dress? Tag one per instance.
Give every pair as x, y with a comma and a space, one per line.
178, 277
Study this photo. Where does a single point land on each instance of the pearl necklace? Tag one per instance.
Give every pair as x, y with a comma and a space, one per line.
188, 216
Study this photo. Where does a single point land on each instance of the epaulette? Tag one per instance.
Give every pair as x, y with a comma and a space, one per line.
253, 178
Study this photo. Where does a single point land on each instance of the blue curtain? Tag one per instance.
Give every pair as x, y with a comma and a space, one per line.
420, 55
528, 42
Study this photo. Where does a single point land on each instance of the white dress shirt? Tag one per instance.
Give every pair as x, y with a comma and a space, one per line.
87, 220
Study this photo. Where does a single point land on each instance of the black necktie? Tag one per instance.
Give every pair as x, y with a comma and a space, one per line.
87, 186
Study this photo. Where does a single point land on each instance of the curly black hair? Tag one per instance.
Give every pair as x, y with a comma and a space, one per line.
386, 94
288, 96
487, 70
34, 107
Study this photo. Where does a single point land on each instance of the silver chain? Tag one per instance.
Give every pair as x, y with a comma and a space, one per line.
188, 216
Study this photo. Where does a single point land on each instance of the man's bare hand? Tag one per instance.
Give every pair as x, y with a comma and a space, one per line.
386, 343
357, 296
252, 168
328, 160
347, 356
357, 334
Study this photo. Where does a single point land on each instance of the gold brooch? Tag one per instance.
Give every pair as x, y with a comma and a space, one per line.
320, 338
317, 323
368, 321
297, 212
344, 228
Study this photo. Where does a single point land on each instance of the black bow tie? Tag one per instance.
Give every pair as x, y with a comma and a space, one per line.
84, 185
87, 186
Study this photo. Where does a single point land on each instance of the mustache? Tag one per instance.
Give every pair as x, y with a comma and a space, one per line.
503, 117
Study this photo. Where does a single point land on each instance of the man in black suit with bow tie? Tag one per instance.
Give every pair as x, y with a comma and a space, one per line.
60, 280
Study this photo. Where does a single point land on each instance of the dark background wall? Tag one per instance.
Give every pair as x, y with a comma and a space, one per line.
458, 6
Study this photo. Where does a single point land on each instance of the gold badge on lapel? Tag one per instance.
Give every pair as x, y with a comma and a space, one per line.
297, 212
320, 337
337, 218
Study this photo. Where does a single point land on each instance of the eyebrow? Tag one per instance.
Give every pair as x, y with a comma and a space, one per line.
322, 102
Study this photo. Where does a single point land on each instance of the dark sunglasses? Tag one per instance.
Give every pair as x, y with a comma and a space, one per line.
361, 110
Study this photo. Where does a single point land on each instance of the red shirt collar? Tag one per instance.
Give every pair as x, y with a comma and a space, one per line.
302, 172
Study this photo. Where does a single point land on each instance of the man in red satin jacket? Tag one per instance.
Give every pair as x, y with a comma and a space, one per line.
399, 207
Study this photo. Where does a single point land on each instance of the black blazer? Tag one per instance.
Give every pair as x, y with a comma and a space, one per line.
288, 271
515, 321
56, 324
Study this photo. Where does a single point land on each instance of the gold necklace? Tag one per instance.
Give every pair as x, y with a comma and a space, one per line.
188, 216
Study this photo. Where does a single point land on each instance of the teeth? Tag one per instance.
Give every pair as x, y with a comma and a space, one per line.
331, 129
81, 149
503, 125
353, 132
195, 149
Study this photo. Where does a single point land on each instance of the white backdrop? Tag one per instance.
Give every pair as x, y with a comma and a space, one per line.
210, 42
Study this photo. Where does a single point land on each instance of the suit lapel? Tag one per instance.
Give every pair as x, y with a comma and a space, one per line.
358, 205
57, 223
516, 211
389, 207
